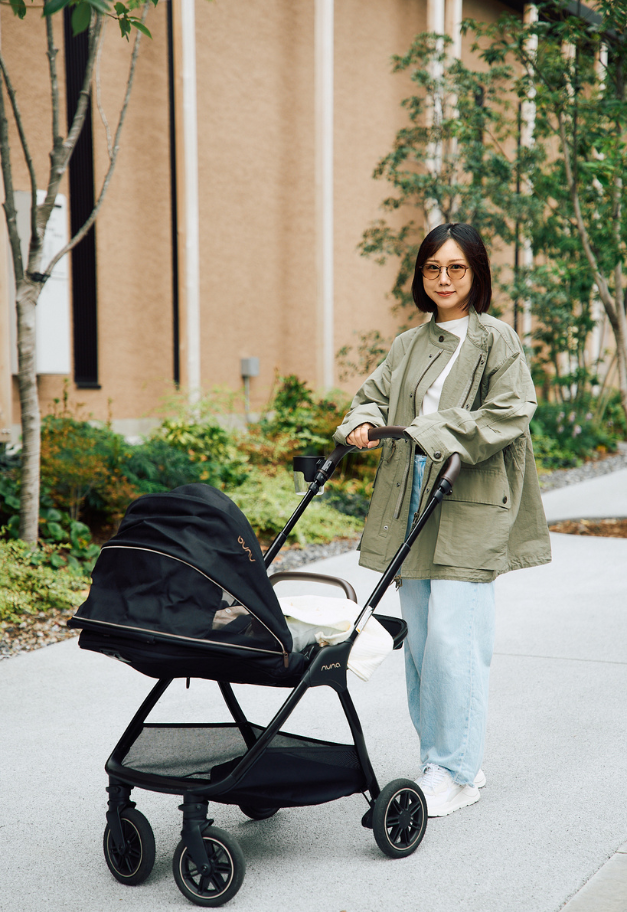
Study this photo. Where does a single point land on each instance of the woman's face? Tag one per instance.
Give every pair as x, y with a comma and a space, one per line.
450, 295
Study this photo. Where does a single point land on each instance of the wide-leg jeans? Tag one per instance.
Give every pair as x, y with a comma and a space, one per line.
448, 651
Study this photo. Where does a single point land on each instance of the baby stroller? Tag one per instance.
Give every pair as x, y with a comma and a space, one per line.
182, 591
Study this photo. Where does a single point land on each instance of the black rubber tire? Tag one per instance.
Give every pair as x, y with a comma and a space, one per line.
399, 818
134, 866
227, 869
256, 813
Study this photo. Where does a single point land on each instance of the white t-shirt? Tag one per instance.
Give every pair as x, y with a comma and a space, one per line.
431, 401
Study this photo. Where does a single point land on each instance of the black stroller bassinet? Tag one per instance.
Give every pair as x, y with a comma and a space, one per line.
182, 591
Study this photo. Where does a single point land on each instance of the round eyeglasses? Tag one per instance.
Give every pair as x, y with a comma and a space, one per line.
455, 271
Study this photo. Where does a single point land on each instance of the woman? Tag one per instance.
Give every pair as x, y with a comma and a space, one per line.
459, 383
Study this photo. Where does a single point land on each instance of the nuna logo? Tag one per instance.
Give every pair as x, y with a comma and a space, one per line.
329, 667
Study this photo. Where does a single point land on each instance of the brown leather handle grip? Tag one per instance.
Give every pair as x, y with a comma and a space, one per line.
390, 432
451, 469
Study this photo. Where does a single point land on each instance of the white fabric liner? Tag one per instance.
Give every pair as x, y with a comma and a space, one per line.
326, 620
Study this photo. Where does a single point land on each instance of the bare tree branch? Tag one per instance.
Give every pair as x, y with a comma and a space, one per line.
599, 278
27, 156
103, 116
61, 156
80, 234
9, 194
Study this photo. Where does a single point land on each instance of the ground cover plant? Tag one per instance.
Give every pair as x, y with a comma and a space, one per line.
31, 582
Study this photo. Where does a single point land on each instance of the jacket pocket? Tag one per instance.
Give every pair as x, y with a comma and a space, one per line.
475, 522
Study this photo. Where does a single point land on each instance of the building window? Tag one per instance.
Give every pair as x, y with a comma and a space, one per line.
81, 174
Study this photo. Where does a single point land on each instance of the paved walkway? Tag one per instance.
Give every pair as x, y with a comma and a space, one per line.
550, 829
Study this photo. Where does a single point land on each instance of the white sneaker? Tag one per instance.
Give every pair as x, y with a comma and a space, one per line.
442, 794
480, 780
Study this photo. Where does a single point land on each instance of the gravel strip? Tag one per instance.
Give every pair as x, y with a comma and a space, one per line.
550, 481
41, 629
34, 631
292, 558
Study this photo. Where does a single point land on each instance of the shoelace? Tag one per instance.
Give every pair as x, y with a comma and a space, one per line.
433, 775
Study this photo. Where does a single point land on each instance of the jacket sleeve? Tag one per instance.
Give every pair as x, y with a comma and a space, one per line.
371, 403
504, 415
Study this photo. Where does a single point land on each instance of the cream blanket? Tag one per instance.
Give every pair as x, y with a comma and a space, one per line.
326, 620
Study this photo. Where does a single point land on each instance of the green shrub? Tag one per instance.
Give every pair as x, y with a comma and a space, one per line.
155, 466
564, 436
31, 581
297, 417
269, 500
209, 446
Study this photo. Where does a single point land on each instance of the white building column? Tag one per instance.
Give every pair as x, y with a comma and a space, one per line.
433, 115
190, 196
324, 189
453, 20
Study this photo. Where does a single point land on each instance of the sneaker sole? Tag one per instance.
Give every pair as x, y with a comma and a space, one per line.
459, 802
479, 781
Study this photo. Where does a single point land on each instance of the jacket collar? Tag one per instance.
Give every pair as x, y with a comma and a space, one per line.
477, 333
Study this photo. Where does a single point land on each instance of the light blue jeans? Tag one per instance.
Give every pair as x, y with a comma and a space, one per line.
448, 651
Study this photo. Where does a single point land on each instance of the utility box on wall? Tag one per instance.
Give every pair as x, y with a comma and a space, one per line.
53, 308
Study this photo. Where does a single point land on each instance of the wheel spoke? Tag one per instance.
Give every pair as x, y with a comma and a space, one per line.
202, 883
391, 820
403, 800
394, 834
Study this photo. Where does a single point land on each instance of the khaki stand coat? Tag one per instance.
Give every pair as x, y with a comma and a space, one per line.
494, 520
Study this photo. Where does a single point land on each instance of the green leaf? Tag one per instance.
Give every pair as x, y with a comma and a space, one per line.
125, 27
101, 6
52, 6
55, 531
141, 27
19, 8
13, 502
81, 17
56, 561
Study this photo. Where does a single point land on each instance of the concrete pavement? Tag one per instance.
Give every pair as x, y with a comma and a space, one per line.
551, 816
604, 497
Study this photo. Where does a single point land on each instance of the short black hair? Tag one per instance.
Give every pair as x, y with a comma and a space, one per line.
474, 250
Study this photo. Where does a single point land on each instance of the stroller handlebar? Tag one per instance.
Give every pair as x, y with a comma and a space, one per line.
390, 432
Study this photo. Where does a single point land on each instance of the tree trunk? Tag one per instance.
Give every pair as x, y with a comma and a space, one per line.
27, 294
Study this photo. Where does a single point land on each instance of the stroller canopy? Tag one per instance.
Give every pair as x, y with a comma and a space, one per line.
186, 567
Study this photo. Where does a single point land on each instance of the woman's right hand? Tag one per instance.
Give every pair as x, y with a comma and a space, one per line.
359, 437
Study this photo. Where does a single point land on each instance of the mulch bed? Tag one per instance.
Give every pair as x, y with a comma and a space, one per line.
606, 528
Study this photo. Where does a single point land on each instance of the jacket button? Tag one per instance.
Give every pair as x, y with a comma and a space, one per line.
441, 339
398, 484
385, 528
505, 500
437, 455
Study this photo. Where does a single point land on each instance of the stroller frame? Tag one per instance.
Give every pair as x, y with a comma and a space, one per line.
208, 864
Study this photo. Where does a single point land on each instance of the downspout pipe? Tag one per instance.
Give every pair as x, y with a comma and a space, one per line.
191, 219
324, 188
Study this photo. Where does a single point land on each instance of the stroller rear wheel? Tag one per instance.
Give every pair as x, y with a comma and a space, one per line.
227, 869
399, 818
133, 865
256, 813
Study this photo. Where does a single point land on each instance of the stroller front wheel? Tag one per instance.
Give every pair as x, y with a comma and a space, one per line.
133, 865
399, 818
226, 869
